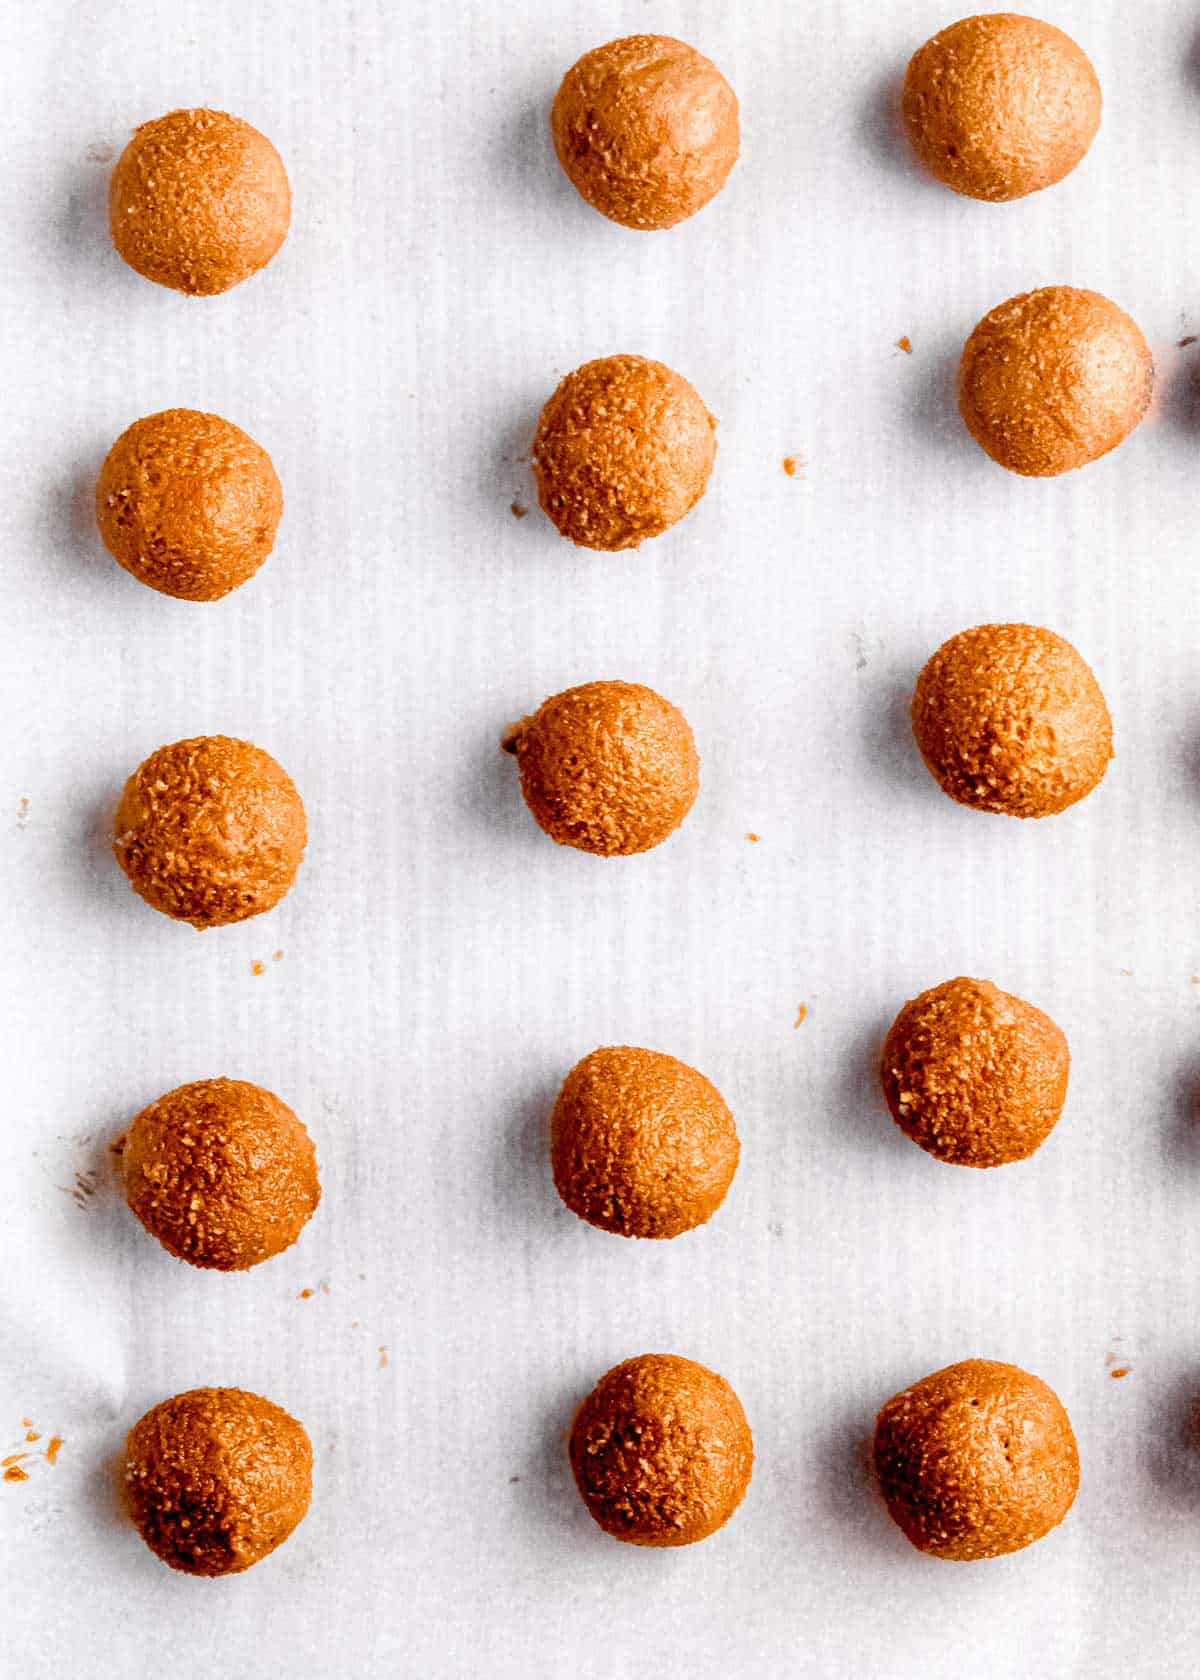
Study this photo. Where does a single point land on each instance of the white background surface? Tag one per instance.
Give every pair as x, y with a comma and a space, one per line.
444, 964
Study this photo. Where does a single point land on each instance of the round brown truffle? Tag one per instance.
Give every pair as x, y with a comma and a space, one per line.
641, 1144
198, 201
609, 767
624, 448
222, 1173
999, 106
217, 1478
646, 129
210, 830
661, 1451
1053, 379
974, 1075
976, 1460
188, 503
1009, 718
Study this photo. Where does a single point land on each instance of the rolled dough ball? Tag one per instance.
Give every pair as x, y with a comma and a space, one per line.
1053, 379
1009, 718
661, 1451
1001, 105
198, 201
624, 448
608, 767
976, 1460
210, 830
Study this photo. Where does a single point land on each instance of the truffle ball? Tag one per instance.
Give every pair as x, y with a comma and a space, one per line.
641, 1144
609, 767
661, 1451
222, 1173
188, 503
999, 106
646, 129
624, 449
1053, 379
976, 1460
1009, 718
198, 201
974, 1075
210, 830
217, 1478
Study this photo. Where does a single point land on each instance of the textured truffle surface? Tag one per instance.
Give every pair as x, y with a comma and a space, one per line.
221, 1172
1009, 718
210, 830
199, 200
1001, 105
976, 1460
1053, 379
609, 767
974, 1075
217, 1478
661, 1451
624, 448
188, 503
641, 1144
647, 130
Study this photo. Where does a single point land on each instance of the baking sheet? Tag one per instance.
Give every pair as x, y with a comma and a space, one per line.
442, 964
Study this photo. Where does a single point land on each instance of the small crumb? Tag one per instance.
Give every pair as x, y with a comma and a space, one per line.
52, 1451
754, 837
32, 1435
1128, 972
13, 1458
792, 464
905, 344
519, 510
383, 1358
257, 968
276, 956
1196, 979
513, 1480
22, 812
801, 1016
1120, 1371
1184, 342
26, 1423
323, 1287
305, 1295
14, 1473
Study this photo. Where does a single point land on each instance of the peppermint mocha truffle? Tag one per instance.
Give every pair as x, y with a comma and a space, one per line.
976, 1460
210, 830
216, 1478
661, 1451
222, 1173
609, 767
1009, 718
188, 503
974, 1075
624, 448
646, 129
1001, 105
1053, 379
198, 201
641, 1144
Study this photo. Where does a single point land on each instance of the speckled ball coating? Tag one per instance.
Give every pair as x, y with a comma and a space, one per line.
1053, 379
1009, 718
188, 503
974, 1075
609, 767
210, 830
1001, 105
199, 201
216, 1478
976, 1461
646, 129
221, 1172
624, 448
661, 1451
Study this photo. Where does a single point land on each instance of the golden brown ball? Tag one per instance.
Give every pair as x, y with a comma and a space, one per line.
646, 129
624, 448
974, 1075
1053, 379
221, 1172
609, 767
661, 1451
976, 1460
188, 503
641, 1144
198, 201
210, 830
1009, 718
217, 1478
1001, 105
